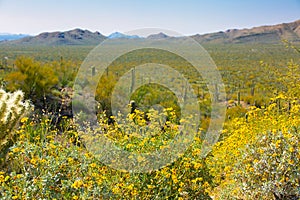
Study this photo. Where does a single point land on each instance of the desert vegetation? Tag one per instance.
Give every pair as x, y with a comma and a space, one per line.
43, 150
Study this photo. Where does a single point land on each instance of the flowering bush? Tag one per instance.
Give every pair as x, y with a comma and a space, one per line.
45, 164
259, 156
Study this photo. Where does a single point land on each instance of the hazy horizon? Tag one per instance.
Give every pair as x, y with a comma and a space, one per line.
188, 18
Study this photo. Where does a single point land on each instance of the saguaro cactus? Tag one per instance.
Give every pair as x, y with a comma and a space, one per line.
216, 93
93, 70
239, 98
252, 90
132, 80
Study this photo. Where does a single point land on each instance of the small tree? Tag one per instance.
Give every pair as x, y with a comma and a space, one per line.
35, 79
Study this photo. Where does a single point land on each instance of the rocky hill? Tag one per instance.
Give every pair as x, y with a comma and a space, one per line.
158, 36
262, 34
72, 37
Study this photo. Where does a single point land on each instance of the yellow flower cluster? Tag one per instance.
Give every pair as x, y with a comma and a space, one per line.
257, 154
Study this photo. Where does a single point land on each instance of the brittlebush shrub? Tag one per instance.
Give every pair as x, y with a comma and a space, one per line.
259, 155
47, 165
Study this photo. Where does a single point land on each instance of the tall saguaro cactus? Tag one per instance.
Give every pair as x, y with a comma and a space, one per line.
216, 93
239, 98
132, 80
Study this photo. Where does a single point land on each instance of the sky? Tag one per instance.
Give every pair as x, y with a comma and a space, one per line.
186, 17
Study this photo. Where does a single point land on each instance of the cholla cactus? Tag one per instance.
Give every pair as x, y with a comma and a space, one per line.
12, 109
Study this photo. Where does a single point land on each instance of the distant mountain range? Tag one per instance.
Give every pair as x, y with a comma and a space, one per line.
262, 34
8, 36
121, 35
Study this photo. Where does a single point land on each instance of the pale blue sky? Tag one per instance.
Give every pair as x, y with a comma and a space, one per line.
184, 16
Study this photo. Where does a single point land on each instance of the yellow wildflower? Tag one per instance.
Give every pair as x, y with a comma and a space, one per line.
77, 184
150, 186
93, 165
75, 197
16, 150
24, 119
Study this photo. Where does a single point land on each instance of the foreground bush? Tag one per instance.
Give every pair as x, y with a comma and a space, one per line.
12, 109
270, 166
259, 156
47, 165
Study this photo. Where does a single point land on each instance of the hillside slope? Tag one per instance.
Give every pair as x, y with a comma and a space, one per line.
72, 37
262, 34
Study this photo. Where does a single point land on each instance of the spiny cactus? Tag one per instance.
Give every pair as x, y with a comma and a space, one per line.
12, 109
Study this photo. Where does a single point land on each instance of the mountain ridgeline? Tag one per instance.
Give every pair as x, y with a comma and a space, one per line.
263, 34
72, 37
